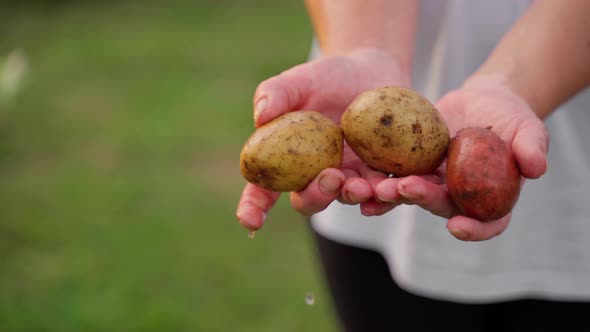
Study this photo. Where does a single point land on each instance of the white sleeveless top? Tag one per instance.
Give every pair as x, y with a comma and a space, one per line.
545, 252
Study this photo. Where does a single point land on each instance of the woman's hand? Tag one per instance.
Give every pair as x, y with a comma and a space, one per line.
326, 85
480, 102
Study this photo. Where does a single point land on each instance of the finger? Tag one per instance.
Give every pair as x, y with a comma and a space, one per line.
322, 191
355, 190
467, 229
254, 205
386, 191
281, 94
530, 146
374, 207
349, 173
428, 194
372, 176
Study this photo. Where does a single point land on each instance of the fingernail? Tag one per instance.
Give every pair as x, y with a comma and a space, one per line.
461, 235
348, 197
260, 106
403, 190
381, 199
329, 184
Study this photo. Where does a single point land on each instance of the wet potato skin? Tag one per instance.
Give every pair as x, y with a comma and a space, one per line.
287, 153
397, 131
482, 175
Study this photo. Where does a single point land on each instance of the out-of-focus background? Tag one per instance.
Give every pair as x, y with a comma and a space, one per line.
121, 124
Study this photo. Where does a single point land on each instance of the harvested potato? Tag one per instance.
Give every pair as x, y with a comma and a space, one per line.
287, 153
483, 178
396, 130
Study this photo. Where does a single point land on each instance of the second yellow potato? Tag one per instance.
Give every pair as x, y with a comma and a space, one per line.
396, 130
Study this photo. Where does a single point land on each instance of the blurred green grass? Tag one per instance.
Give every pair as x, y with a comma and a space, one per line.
119, 170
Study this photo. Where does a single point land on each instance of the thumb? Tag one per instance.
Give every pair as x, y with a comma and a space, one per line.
281, 94
530, 146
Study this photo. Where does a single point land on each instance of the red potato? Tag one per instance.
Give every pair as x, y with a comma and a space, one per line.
483, 178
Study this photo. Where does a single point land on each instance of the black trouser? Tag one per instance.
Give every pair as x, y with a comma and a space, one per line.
367, 299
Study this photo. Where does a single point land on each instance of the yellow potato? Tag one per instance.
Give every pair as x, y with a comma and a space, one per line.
396, 130
287, 153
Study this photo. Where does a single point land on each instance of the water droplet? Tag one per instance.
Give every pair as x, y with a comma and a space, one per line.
251, 234
309, 298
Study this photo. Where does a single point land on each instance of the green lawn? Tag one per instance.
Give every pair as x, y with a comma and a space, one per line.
119, 170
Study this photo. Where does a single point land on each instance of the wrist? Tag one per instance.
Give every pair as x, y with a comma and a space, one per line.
509, 84
522, 80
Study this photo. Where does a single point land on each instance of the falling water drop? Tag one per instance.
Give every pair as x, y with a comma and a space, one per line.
251, 234
309, 298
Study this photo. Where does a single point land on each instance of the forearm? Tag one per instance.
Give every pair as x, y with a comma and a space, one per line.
345, 25
545, 57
